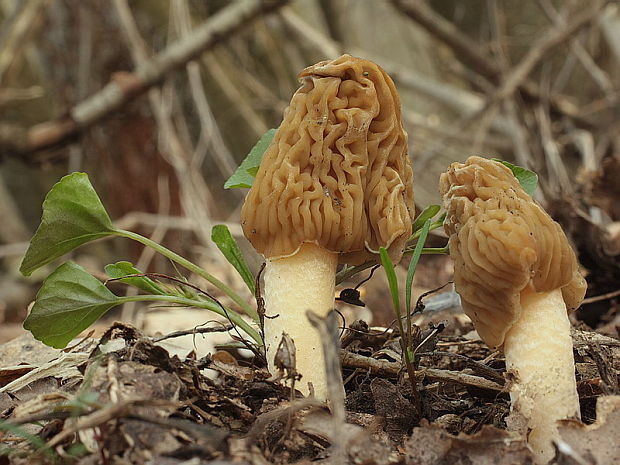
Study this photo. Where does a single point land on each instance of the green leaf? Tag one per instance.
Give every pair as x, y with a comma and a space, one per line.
72, 216
437, 223
388, 267
69, 301
415, 258
246, 172
121, 269
230, 249
426, 214
528, 179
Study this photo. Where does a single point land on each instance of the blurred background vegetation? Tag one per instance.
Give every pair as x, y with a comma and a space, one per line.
535, 82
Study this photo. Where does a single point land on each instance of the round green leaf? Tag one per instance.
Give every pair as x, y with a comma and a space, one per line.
72, 216
69, 301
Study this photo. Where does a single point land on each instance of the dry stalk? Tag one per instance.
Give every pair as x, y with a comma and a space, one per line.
517, 76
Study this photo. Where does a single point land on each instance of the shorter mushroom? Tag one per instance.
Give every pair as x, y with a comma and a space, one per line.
517, 275
333, 187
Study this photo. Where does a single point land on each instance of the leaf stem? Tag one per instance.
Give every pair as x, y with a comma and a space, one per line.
247, 308
233, 316
430, 250
346, 273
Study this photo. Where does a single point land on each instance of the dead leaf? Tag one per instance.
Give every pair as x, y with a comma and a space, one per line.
430, 445
26, 350
64, 368
233, 370
9, 374
595, 444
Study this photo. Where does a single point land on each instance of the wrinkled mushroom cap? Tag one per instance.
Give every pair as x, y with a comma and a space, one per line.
337, 172
502, 244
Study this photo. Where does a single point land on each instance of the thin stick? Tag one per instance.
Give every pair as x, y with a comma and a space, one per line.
555, 37
392, 369
598, 298
186, 332
328, 329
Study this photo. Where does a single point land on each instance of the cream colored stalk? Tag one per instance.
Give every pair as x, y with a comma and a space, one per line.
539, 351
293, 285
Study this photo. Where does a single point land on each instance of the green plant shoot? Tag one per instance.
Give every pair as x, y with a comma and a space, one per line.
230, 249
70, 299
413, 263
246, 172
527, 178
120, 270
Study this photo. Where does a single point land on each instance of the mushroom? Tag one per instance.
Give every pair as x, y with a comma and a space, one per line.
517, 275
333, 187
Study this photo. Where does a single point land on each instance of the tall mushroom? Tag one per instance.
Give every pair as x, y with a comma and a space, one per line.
333, 187
516, 275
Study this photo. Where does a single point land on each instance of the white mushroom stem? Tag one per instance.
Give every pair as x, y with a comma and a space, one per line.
293, 285
539, 351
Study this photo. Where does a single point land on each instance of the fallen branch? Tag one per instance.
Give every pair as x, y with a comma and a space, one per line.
392, 369
125, 86
475, 365
460, 378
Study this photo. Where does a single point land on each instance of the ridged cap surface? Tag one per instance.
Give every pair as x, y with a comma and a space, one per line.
502, 244
337, 172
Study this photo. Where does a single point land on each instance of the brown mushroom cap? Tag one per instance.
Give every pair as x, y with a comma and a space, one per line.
337, 172
502, 244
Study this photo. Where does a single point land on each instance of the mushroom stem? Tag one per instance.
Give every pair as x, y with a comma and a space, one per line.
539, 351
293, 285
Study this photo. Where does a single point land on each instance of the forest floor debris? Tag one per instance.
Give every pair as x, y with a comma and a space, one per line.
123, 398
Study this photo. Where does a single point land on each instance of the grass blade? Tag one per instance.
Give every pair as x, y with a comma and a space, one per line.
428, 213
415, 258
390, 274
230, 249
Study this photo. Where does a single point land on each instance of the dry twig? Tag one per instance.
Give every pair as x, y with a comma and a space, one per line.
392, 369
14, 34
517, 76
468, 52
125, 87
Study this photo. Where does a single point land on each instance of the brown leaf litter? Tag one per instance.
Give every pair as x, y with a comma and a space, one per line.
124, 399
